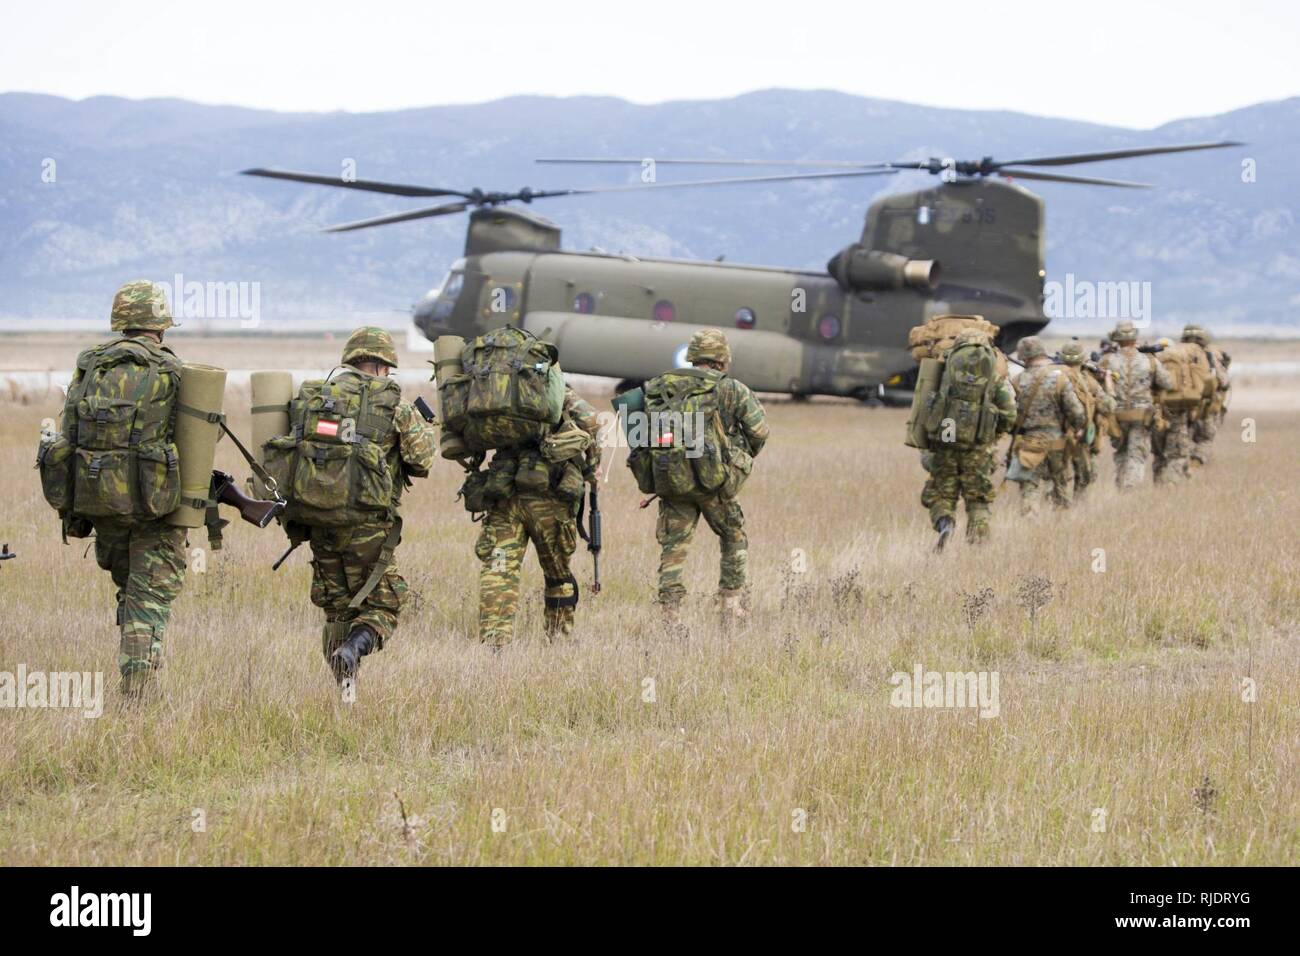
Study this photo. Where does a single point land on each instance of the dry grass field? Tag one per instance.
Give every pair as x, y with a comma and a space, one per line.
1122, 735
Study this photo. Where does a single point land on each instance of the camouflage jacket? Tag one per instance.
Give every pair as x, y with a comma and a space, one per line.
1101, 401
1220, 368
1137, 375
1047, 404
580, 412
414, 441
743, 418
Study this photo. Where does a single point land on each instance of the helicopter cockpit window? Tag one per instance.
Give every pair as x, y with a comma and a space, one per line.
828, 327
664, 311
745, 318
451, 289
584, 303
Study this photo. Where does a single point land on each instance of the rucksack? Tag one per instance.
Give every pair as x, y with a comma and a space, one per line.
509, 391
938, 334
688, 446
1194, 380
115, 456
962, 412
333, 468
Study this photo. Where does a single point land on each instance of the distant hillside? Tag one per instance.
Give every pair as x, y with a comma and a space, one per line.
148, 188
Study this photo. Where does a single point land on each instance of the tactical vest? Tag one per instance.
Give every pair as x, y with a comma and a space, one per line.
339, 465
689, 453
509, 391
115, 456
962, 413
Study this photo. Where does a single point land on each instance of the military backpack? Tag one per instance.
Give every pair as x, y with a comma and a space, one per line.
687, 452
115, 456
509, 391
333, 467
962, 412
1194, 379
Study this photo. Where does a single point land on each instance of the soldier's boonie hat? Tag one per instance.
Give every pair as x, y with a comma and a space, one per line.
708, 345
370, 342
1072, 353
1031, 347
140, 305
1124, 332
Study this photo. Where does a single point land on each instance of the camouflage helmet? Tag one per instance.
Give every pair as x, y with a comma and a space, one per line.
1072, 353
1194, 333
708, 345
140, 305
1124, 332
1030, 348
370, 342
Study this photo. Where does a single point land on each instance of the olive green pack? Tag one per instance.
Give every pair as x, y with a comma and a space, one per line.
962, 413
679, 468
115, 455
332, 467
509, 391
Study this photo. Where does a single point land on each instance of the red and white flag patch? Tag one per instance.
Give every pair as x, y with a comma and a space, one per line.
327, 428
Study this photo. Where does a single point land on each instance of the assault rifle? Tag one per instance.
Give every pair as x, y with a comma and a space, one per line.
6, 554
592, 537
255, 511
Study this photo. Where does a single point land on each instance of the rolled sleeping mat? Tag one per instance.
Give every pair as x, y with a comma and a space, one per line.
447, 351
271, 393
202, 390
927, 383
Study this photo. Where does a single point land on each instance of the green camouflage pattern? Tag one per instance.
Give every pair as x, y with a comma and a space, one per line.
1194, 333
676, 526
342, 559
370, 342
140, 305
1030, 347
1051, 480
709, 345
1132, 451
551, 525
1053, 408
1083, 455
960, 474
1173, 448
1137, 376
973, 404
147, 564
115, 455
1204, 431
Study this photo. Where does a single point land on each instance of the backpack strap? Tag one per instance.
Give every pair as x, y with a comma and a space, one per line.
381, 564
1029, 401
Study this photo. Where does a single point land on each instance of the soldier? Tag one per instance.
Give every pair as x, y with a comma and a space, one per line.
744, 432
1137, 376
1211, 415
1049, 417
546, 515
1098, 405
144, 554
964, 468
354, 576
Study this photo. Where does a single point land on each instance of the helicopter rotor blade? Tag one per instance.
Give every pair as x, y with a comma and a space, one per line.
1114, 154
367, 185
1060, 178
626, 161
427, 212
726, 181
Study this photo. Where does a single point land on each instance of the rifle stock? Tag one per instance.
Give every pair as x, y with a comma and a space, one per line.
253, 510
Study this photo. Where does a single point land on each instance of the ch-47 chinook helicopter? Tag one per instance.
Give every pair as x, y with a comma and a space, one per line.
972, 244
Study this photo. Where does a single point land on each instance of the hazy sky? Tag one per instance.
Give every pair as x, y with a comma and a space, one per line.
1123, 62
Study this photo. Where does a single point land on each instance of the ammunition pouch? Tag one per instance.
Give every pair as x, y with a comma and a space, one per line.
1031, 451
500, 482
472, 492
1128, 416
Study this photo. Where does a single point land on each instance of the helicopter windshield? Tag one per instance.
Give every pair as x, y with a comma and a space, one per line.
451, 289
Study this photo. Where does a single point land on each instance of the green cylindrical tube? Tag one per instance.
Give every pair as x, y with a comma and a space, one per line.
447, 351
202, 390
927, 383
271, 393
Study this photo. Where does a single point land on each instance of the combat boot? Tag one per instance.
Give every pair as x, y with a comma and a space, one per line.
945, 526
346, 659
732, 606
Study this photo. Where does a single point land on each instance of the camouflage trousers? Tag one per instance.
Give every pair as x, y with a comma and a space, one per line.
1204, 431
1051, 479
1173, 449
551, 525
1132, 449
677, 521
147, 562
341, 562
1083, 461
966, 474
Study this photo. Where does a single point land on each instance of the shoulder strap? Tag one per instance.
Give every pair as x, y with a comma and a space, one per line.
1029, 402
381, 564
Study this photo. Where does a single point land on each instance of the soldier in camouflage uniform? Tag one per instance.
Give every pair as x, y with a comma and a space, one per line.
1206, 427
344, 559
1099, 406
1049, 419
968, 472
745, 425
1137, 377
547, 518
145, 558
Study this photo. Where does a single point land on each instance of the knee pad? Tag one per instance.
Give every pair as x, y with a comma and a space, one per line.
559, 600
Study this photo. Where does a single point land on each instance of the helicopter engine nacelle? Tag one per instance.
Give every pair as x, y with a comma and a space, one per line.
857, 268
